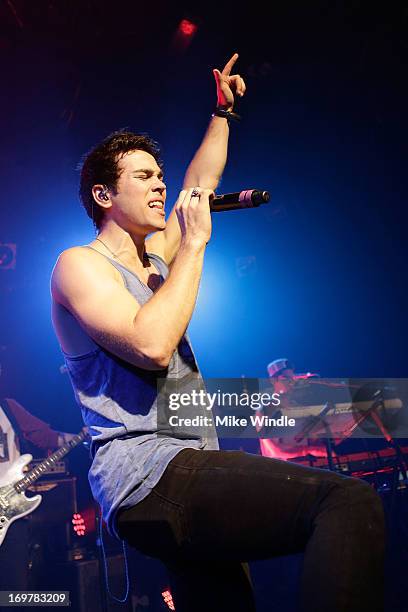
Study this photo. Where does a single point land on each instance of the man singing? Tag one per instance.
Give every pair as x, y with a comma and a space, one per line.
121, 318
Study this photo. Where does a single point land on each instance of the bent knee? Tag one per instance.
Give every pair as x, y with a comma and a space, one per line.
363, 497
360, 489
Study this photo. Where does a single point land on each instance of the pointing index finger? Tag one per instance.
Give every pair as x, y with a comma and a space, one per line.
228, 66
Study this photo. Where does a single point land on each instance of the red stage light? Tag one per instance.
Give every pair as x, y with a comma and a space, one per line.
168, 599
79, 524
188, 28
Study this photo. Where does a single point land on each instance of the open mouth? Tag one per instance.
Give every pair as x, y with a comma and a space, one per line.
158, 206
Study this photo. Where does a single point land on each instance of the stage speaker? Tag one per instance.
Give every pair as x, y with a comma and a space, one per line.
51, 525
59, 499
85, 581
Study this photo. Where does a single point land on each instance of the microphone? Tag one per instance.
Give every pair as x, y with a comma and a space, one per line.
305, 376
304, 379
240, 199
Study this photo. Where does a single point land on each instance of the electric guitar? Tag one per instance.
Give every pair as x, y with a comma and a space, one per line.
13, 501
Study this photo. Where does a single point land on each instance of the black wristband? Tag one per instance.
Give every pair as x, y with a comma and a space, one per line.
228, 115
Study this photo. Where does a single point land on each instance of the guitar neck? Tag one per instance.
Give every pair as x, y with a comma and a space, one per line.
33, 475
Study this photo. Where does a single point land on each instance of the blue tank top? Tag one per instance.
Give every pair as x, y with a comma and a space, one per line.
119, 405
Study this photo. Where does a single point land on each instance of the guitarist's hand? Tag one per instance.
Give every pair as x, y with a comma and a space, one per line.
64, 438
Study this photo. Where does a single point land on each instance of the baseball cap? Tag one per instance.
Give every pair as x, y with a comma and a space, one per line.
276, 366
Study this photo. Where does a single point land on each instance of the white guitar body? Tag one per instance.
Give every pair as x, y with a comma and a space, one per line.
13, 501
14, 505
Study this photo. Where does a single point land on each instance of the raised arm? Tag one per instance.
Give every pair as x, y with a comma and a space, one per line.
208, 163
209, 160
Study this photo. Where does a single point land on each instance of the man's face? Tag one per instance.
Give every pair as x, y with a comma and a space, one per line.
283, 383
138, 204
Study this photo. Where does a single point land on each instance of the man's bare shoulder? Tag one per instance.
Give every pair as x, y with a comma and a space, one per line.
83, 257
81, 267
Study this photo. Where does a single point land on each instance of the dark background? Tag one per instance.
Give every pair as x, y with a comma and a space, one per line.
318, 275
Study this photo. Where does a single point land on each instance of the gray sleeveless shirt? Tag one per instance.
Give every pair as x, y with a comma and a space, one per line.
119, 405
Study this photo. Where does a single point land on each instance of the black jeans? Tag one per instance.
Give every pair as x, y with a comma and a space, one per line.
213, 510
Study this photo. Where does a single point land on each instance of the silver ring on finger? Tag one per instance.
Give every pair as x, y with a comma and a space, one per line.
195, 193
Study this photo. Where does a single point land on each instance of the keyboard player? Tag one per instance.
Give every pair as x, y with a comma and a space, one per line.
283, 379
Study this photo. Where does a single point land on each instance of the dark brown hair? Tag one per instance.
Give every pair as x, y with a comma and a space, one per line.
100, 166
